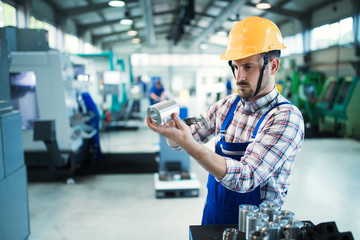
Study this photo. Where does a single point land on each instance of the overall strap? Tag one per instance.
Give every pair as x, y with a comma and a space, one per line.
263, 117
229, 115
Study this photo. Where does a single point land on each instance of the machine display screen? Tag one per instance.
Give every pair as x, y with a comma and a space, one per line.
112, 77
329, 91
23, 97
344, 92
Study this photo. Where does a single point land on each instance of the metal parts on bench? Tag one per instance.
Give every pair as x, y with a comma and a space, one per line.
270, 223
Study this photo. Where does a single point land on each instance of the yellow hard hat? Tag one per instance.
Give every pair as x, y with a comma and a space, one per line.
251, 36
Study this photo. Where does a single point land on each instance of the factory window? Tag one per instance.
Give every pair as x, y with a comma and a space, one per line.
346, 31
7, 15
88, 48
177, 60
71, 43
294, 45
37, 24
332, 34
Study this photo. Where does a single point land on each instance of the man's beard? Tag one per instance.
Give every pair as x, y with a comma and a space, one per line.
248, 93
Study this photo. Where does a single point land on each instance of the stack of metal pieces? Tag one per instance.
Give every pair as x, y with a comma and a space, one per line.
268, 222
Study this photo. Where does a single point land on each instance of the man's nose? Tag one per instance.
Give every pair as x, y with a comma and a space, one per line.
240, 74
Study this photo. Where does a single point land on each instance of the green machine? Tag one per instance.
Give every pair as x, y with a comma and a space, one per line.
340, 108
305, 92
329, 94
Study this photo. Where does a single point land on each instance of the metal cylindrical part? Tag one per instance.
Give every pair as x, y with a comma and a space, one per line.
273, 229
230, 234
257, 235
262, 217
161, 113
283, 224
261, 226
243, 210
283, 215
251, 220
269, 208
292, 229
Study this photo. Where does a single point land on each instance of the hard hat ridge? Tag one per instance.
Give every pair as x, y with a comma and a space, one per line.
251, 36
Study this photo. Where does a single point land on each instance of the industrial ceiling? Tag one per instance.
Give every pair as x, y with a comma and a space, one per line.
164, 26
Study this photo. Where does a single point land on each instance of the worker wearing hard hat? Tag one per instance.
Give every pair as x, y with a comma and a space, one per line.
258, 132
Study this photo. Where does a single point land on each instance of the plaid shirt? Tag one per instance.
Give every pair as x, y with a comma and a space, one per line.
269, 158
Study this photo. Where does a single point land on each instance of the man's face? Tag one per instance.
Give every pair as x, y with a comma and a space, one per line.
247, 73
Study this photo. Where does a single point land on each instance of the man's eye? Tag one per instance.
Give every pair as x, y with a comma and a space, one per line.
249, 67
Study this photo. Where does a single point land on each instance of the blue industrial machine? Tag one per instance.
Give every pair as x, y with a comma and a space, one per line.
174, 177
14, 209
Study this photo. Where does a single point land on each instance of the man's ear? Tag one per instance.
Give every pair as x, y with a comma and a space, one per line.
274, 65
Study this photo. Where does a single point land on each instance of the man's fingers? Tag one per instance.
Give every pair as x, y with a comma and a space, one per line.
150, 124
179, 123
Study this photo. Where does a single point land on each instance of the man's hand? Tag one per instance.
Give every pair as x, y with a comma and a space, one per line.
180, 133
176, 131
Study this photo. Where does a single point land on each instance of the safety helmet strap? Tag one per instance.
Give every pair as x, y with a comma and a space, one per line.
266, 61
232, 68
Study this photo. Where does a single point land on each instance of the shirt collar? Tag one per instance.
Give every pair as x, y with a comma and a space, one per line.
253, 106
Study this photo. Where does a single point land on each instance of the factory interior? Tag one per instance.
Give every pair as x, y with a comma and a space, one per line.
77, 158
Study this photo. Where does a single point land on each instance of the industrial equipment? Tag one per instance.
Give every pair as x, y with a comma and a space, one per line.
255, 224
340, 109
122, 107
328, 94
14, 206
174, 177
43, 88
305, 92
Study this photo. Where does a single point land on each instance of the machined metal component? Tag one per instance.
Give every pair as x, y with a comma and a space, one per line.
250, 226
243, 210
161, 113
258, 235
269, 208
273, 229
283, 215
292, 229
251, 221
230, 234
262, 217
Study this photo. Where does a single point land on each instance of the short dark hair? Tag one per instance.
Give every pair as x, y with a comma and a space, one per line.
272, 54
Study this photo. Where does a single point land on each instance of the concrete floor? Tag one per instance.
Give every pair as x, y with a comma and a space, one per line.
325, 187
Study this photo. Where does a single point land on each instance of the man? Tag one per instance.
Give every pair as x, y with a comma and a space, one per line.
157, 92
258, 132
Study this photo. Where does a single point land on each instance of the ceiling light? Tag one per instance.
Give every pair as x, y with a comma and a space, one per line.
127, 18
222, 33
136, 40
264, 4
132, 32
116, 3
126, 21
203, 46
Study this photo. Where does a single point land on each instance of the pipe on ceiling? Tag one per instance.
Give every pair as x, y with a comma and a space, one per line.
148, 18
217, 22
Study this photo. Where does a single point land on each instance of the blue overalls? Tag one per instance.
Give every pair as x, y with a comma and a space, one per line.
222, 204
